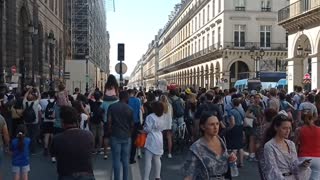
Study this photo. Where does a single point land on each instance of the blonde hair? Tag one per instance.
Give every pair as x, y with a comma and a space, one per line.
165, 101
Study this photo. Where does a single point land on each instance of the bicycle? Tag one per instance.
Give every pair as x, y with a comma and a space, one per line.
182, 138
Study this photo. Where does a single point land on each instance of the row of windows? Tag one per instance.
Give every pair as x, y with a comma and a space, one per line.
55, 6
240, 5
209, 41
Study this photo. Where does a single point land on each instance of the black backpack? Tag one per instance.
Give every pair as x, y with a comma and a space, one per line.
97, 113
28, 114
178, 109
49, 112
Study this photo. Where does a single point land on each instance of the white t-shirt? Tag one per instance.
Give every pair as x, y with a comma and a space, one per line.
84, 125
154, 127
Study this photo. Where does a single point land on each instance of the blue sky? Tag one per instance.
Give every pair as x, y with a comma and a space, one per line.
135, 23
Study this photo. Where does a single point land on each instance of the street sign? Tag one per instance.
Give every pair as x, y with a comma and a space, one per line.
124, 68
307, 76
13, 69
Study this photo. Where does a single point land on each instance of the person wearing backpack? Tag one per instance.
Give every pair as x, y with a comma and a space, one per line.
96, 119
48, 120
31, 115
178, 109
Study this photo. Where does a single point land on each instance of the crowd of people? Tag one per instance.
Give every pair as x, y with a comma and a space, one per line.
275, 129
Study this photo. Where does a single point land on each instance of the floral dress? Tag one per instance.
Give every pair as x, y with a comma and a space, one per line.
278, 162
203, 164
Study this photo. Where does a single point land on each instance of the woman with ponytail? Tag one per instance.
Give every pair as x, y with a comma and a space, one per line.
20, 155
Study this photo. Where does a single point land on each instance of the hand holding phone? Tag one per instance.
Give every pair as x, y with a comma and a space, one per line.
306, 163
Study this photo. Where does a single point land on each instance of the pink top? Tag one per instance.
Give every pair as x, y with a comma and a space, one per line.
111, 92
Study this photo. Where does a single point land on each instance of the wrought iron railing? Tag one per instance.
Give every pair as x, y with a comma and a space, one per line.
257, 45
297, 8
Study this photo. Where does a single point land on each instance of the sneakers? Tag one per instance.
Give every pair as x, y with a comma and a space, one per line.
53, 160
170, 156
105, 157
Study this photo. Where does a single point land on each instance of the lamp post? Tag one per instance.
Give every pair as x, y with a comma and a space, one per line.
257, 56
87, 75
33, 32
51, 40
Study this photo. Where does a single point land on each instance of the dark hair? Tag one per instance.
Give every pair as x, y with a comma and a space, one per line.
111, 83
282, 96
299, 89
44, 95
131, 91
209, 96
269, 114
97, 95
20, 136
232, 90
69, 115
277, 121
123, 95
82, 98
78, 106
150, 97
311, 98
236, 102
217, 98
157, 108
307, 117
76, 89
51, 94
204, 118
173, 92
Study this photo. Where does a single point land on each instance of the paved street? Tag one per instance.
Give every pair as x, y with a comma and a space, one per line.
43, 169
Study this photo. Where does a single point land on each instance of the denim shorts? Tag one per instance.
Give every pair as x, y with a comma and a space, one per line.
20, 169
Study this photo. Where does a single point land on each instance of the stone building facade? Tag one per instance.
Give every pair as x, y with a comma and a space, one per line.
32, 41
302, 21
209, 43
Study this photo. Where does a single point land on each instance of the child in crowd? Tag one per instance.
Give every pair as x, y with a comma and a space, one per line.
20, 155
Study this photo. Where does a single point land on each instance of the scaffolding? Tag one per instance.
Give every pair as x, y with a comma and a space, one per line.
79, 28
89, 32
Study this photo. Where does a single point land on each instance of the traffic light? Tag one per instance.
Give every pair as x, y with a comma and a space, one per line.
121, 52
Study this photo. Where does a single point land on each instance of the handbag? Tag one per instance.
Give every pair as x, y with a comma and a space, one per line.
140, 140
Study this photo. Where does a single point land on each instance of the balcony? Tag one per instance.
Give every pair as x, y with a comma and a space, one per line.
257, 45
300, 13
266, 9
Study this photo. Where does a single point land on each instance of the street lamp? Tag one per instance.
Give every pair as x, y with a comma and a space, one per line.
299, 50
257, 56
51, 40
33, 32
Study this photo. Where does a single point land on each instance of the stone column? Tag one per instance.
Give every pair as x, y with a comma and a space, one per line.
295, 73
315, 67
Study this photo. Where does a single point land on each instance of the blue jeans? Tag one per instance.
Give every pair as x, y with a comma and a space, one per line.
76, 178
120, 148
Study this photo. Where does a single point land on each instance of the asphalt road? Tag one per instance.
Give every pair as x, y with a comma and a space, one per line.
43, 169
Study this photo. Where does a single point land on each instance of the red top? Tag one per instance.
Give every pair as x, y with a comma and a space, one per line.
309, 141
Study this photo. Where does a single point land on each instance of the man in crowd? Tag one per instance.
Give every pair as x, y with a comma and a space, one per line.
73, 148
274, 102
135, 104
121, 123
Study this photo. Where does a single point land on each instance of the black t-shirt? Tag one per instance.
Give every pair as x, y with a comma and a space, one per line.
122, 122
73, 150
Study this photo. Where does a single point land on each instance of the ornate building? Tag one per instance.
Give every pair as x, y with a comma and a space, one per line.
210, 43
32, 41
302, 21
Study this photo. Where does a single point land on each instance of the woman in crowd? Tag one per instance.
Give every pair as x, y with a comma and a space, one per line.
308, 144
108, 100
190, 110
208, 157
111, 88
254, 112
281, 161
235, 133
20, 155
83, 124
154, 126
62, 100
167, 116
